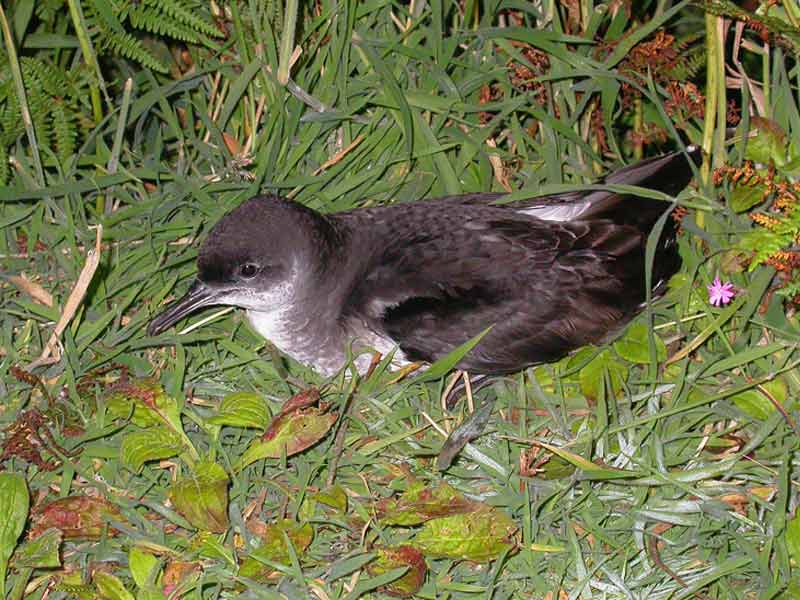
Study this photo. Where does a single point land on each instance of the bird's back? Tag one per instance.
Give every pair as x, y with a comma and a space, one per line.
439, 272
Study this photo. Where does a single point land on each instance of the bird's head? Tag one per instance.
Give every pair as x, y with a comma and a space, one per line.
256, 257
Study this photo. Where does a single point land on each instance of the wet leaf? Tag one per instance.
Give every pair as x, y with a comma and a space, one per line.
77, 517
152, 444
289, 433
420, 503
592, 376
635, 345
389, 559
202, 498
111, 587
14, 504
242, 409
481, 535
40, 552
274, 549
745, 197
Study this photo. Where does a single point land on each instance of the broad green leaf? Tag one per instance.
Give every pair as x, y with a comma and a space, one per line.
202, 497
745, 197
143, 567
14, 504
40, 552
389, 559
76, 517
792, 536
767, 142
592, 376
480, 535
110, 587
757, 404
635, 347
152, 444
420, 503
274, 549
242, 409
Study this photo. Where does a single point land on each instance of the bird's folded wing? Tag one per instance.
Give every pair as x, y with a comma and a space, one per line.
543, 287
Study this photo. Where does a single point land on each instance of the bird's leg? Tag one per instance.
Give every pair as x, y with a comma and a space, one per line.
476, 383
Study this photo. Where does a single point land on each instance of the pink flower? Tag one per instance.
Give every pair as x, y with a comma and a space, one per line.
720, 293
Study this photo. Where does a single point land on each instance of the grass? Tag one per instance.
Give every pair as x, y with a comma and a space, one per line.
661, 466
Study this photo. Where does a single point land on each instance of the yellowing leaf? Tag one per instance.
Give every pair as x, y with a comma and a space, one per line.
389, 559
481, 535
420, 503
298, 427
202, 497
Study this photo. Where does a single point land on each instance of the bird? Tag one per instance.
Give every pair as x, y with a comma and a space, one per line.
540, 277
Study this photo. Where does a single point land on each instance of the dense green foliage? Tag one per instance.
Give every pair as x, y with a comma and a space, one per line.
660, 466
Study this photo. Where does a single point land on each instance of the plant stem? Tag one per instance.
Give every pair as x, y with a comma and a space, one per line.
287, 41
22, 98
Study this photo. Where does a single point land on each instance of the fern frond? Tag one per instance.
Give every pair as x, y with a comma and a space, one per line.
154, 21
128, 46
64, 131
4, 170
185, 15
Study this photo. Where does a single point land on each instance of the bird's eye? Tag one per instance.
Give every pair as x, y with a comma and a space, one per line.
248, 270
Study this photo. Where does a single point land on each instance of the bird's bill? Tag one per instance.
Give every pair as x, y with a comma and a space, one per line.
198, 296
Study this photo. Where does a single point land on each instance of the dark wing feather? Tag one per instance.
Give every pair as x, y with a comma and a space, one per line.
544, 287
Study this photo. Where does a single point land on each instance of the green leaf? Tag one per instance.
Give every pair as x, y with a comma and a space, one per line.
767, 142
143, 566
635, 347
481, 535
41, 552
592, 376
792, 536
757, 404
111, 587
745, 197
202, 498
14, 505
242, 409
153, 444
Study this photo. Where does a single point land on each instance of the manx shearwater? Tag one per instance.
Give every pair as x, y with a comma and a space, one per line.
548, 274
